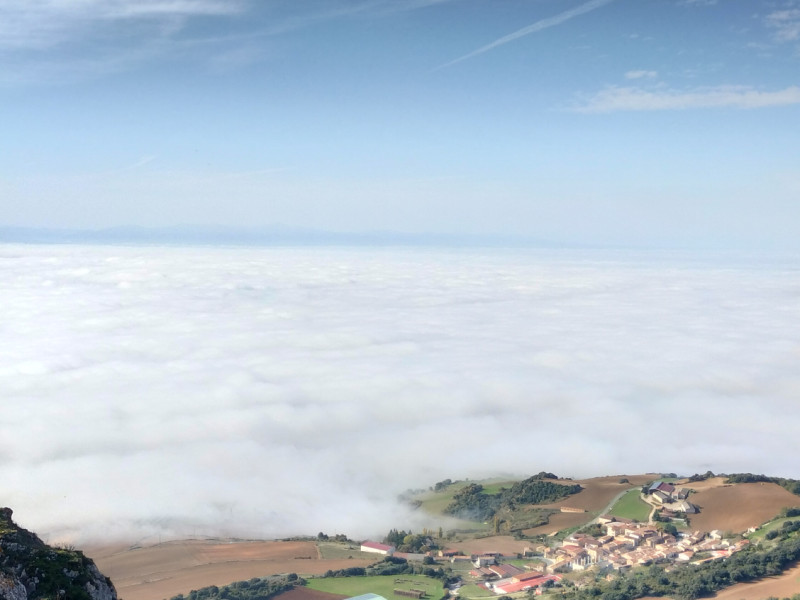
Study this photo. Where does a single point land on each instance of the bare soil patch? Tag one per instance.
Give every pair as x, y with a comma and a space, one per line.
499, 543
740, 506
599, 491
596, 495
165, 570
560, 521
699, 486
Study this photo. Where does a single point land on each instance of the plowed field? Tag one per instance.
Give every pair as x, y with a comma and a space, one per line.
737, 507
504, 544
165, 570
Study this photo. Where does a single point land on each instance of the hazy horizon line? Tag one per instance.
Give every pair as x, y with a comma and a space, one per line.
279, 235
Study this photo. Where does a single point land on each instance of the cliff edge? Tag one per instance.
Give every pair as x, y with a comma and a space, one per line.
32, 570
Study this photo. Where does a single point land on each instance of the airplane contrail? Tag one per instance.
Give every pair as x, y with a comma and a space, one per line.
538, 26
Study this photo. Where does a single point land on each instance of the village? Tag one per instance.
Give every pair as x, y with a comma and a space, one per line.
627, 544
615, 544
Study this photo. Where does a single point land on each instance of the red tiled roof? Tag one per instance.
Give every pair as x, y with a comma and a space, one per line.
377, 546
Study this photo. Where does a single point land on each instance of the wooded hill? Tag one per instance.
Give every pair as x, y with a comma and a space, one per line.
474, 504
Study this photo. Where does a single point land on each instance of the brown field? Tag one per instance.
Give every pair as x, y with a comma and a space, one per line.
498, 543
560, 521
599, 491
700, 486
782, 586
165, 570
740, 506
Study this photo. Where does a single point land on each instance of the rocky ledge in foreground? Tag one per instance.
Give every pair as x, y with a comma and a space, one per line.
30, 569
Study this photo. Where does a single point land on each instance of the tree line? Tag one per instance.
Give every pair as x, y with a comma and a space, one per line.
792, 485
257, 588
473, 503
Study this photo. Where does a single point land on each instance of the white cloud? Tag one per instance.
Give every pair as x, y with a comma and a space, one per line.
786, 24
641, 74
614, 99
280, 391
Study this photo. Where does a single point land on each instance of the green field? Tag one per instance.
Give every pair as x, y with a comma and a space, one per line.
336, 550
494, 488
771, 526
384, 585
630, 506
473, 591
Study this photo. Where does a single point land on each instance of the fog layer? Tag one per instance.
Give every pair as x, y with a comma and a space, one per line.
269, 392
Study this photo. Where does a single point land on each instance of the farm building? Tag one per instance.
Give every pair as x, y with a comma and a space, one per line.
662, 486
505, 570
413, 556
660, 497
377, 548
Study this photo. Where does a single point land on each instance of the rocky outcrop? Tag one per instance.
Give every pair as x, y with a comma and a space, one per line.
32, 570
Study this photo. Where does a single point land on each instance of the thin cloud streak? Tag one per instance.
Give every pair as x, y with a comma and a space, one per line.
534, 28
618, 99
43, 24
641, 74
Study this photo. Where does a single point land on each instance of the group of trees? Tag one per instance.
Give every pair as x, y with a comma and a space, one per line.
785, 530
703, 477
536, 491
472, 503
393, 565
792, 485
339, 537
254, 589
411, 542
440, 485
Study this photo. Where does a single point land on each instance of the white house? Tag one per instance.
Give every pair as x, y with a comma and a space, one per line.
377, 548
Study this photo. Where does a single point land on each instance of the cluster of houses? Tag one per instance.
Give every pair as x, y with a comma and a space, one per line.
665, 494
506, 578
628, 544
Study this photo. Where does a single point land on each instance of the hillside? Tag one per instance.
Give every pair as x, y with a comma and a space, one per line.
176, 567
737, 507
167, 569
30, 569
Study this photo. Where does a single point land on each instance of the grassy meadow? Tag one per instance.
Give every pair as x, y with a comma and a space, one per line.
630, 506
383, 585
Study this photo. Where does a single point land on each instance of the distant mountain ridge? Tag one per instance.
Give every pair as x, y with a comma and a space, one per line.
258, 236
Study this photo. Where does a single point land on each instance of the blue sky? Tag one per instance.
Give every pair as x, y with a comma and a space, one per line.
623, 122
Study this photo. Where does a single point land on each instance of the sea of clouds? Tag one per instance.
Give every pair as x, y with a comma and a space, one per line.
267, 392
